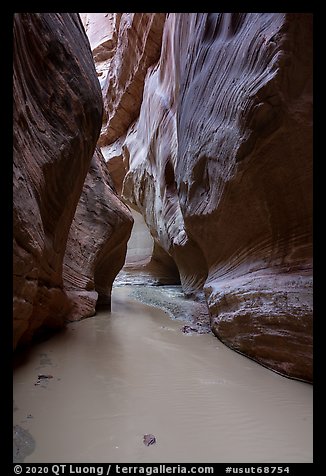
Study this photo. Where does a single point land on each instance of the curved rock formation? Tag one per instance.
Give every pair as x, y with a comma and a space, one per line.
124, 45
146, 262
57, 119
97, 242
220, 167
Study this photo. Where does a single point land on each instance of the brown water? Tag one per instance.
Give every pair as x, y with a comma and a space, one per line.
119, 376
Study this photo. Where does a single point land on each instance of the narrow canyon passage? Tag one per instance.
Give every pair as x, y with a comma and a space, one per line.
118, 376
162, 237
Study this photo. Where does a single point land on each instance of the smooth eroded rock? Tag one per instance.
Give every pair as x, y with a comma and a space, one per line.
146, 262
57, 119
97, 242
124, 45
220, 165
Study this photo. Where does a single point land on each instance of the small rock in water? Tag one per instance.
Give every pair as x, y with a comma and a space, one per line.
42, 377
188, 329
149, 440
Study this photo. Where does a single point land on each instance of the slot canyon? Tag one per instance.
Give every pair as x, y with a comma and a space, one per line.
162, 237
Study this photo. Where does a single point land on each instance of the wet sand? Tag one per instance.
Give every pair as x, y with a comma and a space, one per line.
119, 376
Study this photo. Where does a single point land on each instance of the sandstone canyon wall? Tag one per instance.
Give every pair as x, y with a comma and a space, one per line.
57, 120
97, 242
219, 163
125, 46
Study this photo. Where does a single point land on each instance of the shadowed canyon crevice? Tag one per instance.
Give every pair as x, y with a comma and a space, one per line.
70, 227
165, 159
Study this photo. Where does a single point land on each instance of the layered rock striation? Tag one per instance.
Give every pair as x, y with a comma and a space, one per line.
56, 123
219, 163
124, 45
97, 242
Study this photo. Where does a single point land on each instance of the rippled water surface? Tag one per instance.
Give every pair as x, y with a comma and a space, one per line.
113, 378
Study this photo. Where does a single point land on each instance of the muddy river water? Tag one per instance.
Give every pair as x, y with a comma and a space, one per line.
109, 380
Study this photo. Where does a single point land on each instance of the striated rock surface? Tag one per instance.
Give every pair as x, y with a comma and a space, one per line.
220, 165
124, 45
57, 119
97, 242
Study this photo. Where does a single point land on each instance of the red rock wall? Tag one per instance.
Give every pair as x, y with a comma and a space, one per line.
57, 119
97, 242
124, 45
220, 165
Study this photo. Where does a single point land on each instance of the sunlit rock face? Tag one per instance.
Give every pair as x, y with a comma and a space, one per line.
57, 118
124, 45
97, 242
220, 166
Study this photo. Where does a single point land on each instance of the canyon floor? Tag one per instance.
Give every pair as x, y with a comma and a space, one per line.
91, 392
